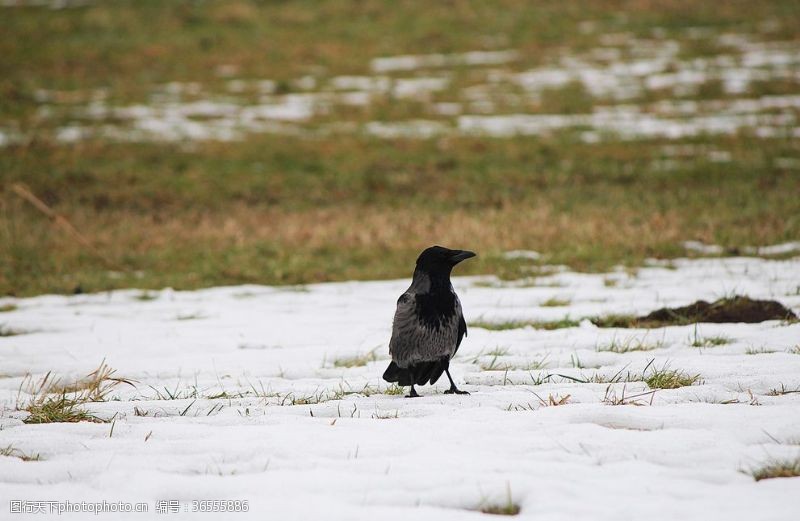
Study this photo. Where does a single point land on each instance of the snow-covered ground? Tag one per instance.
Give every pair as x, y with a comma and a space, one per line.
217, 372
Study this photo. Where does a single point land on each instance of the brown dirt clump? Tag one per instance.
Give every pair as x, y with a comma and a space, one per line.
735, 309
727, 310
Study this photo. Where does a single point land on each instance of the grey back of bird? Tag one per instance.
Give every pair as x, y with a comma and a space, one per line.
416, 340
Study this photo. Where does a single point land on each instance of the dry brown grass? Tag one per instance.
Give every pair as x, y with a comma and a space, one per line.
353, 226
253, 244
49, 400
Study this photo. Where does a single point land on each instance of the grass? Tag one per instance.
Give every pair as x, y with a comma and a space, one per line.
708, 341
493, 365
612, 398
759, 351
554, 302
394, 390
712, 341
620, 376
519, 324
629, 345
289, 210
58, 409
506, 508
16, 453
333, 219
665, 378
276, 398
355, 361
5, 308
789, 468
495, 361
51, 401
655, 378
782, 391
553, 401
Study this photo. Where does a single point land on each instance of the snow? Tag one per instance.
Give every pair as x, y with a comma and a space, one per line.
522, 254
783, 248
700, 247
410, 62
664, 119
405, 129
776, 249
680, 454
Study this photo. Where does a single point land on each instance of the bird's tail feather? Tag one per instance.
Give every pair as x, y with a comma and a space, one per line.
392, 373
399, 375
437, 371
423, 372
417, 374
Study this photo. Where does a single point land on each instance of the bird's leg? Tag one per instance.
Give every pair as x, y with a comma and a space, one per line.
412, 393
453, 389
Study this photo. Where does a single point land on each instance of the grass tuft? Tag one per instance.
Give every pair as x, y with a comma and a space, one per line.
623, 321
519, 324
711, 341
782, 391
553, 401
759, 351
5, 308
10, 451
394, 390
58, 409
52, 402
356, 361
620, 376
495, 363
612, 398
777, 469
665, 378
628, 345
555, 302
508, 508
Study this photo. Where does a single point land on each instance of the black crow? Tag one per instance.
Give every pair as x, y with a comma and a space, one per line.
428, 324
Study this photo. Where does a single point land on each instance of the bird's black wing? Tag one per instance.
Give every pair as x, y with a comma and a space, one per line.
462, 332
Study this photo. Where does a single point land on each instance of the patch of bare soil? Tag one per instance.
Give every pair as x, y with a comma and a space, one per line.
727, 310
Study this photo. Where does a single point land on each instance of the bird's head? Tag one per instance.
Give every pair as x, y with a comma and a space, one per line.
440, 260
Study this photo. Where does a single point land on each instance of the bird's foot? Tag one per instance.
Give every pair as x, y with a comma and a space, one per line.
412, 393
455, 390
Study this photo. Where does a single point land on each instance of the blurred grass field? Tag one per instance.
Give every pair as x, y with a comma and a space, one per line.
321, 199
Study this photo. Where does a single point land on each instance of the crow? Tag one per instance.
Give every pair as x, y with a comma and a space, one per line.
428, 324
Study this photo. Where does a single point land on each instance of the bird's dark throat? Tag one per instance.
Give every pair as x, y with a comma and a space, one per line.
437, 307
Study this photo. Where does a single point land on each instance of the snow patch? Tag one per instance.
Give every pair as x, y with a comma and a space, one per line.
410, 62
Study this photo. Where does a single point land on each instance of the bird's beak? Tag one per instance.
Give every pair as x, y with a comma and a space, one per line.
460, 255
